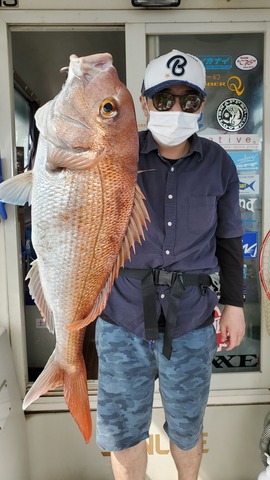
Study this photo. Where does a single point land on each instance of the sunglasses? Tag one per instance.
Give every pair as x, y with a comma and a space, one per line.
190, 102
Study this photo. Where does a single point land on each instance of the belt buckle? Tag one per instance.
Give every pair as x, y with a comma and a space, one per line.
163, 277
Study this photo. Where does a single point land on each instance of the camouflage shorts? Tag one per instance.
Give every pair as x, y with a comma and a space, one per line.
127, 370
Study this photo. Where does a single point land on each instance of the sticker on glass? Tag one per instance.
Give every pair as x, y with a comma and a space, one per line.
232, 114
235, 84
249, 184
250, 244
246, 160
246, 62
216, 62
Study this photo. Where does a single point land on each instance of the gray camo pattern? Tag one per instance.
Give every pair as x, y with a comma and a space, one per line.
128, 366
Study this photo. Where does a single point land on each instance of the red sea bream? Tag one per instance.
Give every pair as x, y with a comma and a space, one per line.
87, 212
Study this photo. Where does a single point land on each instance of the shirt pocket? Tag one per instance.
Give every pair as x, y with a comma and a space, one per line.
202, 214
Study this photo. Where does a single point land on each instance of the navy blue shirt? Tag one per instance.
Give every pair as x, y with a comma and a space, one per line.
189, 202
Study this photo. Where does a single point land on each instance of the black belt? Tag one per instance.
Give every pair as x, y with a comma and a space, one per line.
177, 281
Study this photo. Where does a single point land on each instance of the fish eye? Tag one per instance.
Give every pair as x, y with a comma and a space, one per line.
109, 108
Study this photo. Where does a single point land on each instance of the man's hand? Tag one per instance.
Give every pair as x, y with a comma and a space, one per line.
232, 326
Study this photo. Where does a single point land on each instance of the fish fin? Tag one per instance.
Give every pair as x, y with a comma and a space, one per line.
98, 306
17, 190
49, 379
75, 391
134, 233
85, 160
76, 397
37, 294
148, 170
137, 222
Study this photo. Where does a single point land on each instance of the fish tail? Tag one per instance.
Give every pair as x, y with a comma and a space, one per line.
75, 391
49, 379
76, 397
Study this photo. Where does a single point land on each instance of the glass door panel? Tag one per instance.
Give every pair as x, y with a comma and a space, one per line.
233, 118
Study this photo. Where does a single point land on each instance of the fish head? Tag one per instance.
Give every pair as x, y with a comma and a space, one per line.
94, 112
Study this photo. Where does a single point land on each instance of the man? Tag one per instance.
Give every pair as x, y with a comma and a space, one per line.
158, 320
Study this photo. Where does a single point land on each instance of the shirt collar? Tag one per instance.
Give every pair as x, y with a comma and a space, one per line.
148, 144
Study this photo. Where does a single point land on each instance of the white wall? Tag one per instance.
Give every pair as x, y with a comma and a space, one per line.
231, 452
14, 462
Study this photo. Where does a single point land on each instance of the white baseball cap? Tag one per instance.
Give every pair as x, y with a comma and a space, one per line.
173, 68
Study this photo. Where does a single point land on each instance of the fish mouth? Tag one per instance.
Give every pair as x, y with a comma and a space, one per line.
87, 67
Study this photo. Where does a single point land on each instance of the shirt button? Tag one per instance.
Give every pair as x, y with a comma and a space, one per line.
162, 295
167, 252
169, 224
172, 169
170, 196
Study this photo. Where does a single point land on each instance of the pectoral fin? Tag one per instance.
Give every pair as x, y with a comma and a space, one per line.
84, 160
17, 190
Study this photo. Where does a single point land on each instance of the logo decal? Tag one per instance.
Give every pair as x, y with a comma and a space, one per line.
250, 244
178, 66
214, 80
235, 85
236, 361
232, 114
245, 160
216, 62
236, 142
249, 184
247, 204
246, 62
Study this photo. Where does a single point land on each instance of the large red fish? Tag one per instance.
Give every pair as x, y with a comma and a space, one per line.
87, 212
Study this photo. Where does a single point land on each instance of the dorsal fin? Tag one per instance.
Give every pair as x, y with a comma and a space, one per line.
134, 233
37, 294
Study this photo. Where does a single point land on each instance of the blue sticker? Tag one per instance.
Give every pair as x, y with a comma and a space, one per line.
245, 160
216, 62
249, 184
250, 244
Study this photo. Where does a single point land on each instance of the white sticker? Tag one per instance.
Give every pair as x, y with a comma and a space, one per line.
246, 62
249, 141
232, 114
40, 323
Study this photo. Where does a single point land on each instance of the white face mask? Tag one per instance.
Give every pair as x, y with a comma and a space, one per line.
172, 128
